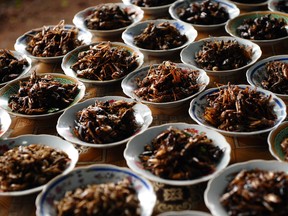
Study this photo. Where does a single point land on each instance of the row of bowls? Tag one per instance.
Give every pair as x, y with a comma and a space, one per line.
73, 178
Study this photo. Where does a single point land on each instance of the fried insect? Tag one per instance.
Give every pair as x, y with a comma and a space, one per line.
282, 5
235, 109
223, 55
284, 147
26, 167
108, 17
10, 66
41, 95
105, 62
107, 199
276, 79
256, 192
162, 36
167, 82
151, 3
181, 154
53, 41
203, 13
263, 28
106, 122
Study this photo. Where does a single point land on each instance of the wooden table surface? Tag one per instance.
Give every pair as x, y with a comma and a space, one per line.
169, 197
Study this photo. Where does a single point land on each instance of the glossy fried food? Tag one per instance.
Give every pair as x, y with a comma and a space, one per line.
265, 27
107, 17
167, 82
162, 36
26, 167
181, 155
242, 110
151, 3
41, 95
104, 61
284, 147
106, 122
223, 55
256, 192
276, 79
53, 41
107, 199
10, 66
203, 13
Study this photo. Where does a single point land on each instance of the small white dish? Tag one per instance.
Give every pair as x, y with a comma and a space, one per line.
184, 29
13, 87
256, 73
217, 185
136, 146
79, 19
22, 41
94, 174
66, 121
129, 85
72, 57
249, 6
230, 7
41, 139
198, 104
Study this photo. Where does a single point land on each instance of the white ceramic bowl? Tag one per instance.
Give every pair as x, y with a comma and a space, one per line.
216, 186
249, 6
198, 104
231, 8
155, 12
136, 146
66, 121
72, 57
5, 121
13, 87
272, 5
184, 213
94, 174
275, 137
129, 84
22, 41
256, 73
41, 139
26, 68
232, 25
184, 29
79, 19
187, 56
